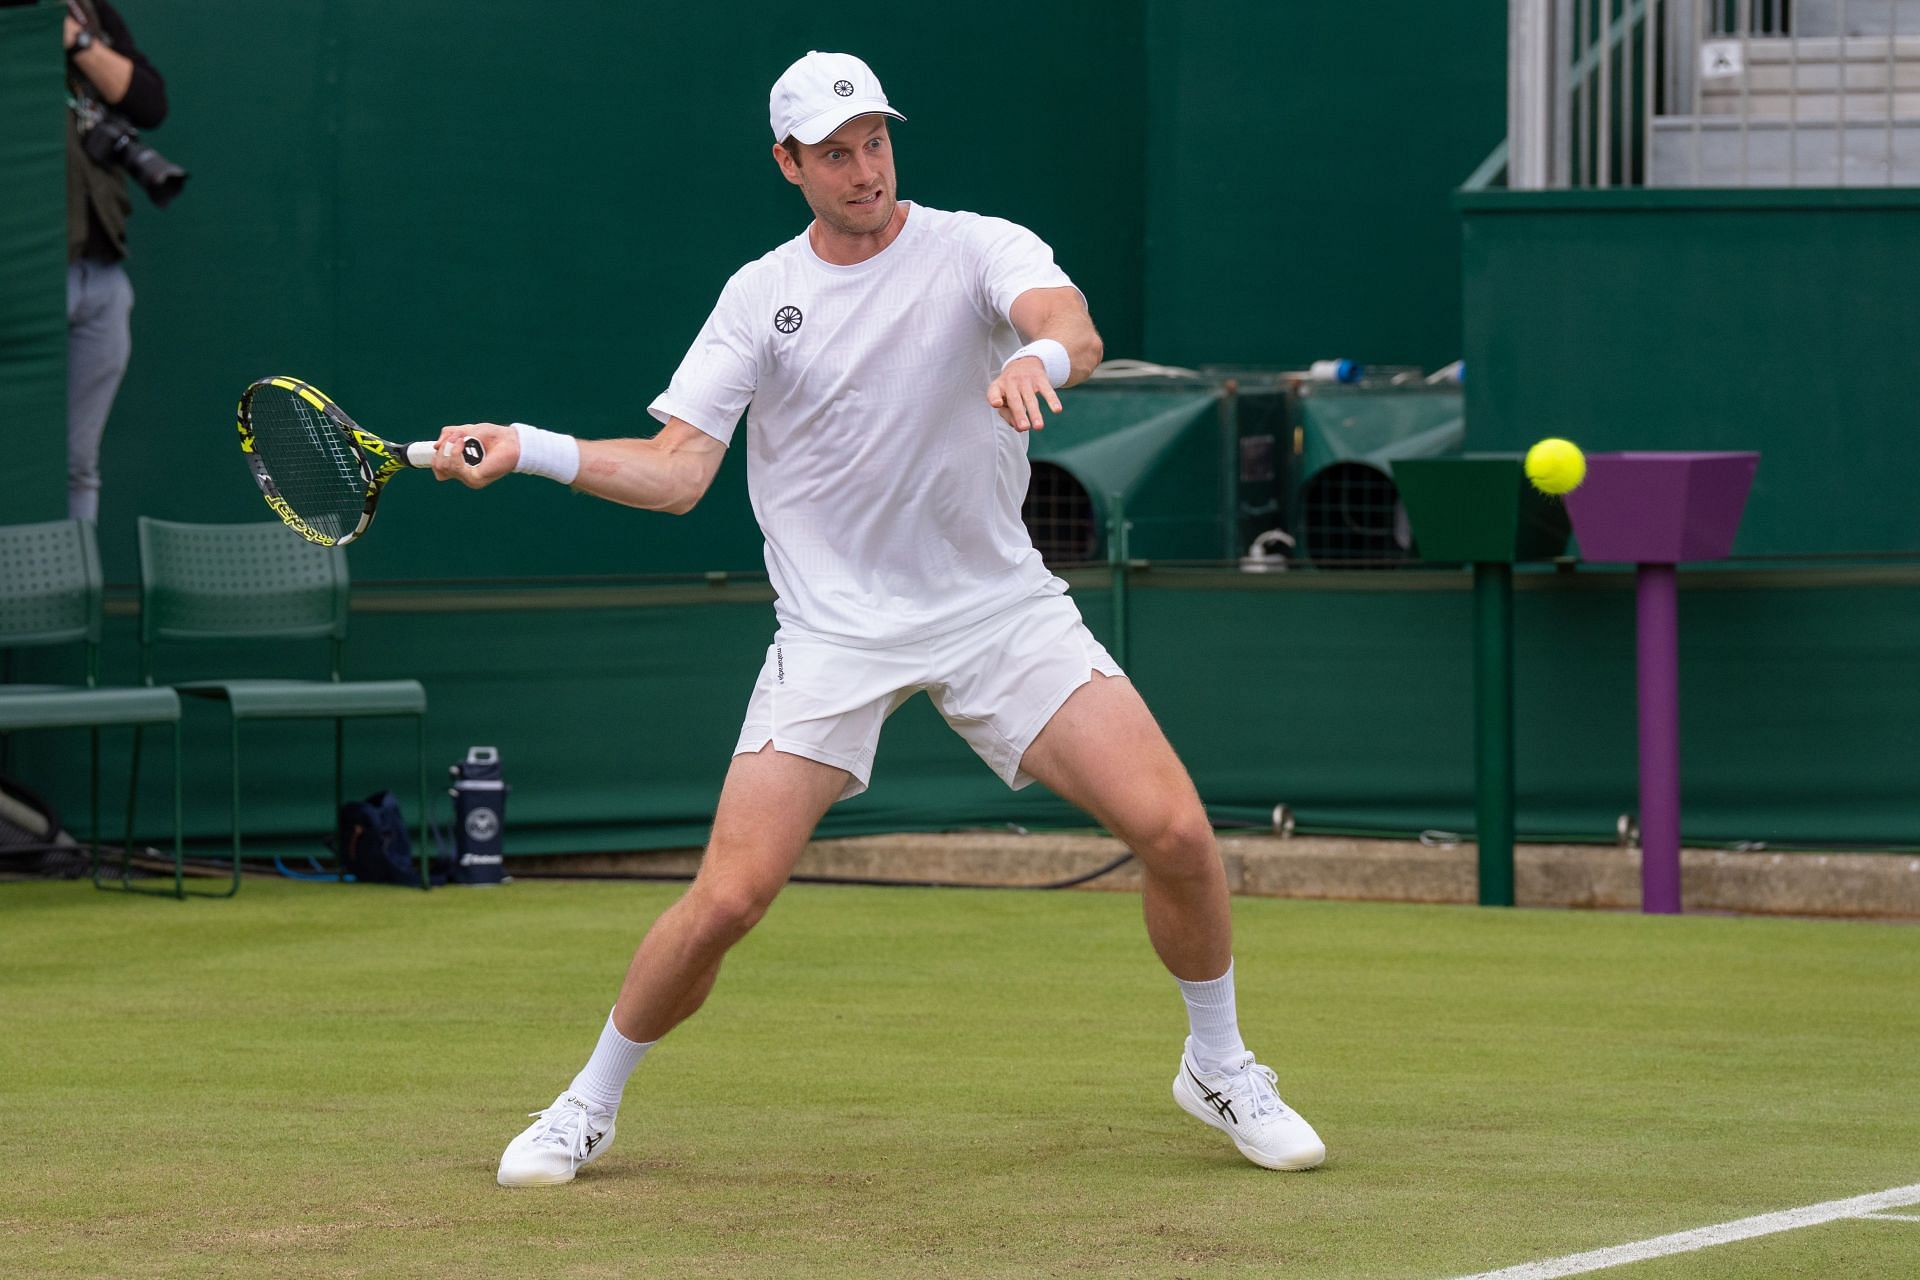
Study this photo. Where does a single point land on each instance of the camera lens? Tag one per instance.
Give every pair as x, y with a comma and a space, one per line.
158, 176
114, 141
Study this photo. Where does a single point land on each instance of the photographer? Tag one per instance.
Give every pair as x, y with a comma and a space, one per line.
106, 77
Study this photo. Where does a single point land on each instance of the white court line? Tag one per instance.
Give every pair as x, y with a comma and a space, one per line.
1765, 1224
1892, 1217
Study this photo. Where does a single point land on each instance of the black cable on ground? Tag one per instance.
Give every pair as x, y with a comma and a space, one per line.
1432, 836
682, 877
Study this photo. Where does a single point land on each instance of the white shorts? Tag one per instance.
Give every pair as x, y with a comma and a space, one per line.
997, 682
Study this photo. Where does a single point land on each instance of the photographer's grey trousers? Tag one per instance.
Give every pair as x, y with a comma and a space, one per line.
99, 342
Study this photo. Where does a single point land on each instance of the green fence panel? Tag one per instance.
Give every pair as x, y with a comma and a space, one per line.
1351, 701
615, 712
1346, 697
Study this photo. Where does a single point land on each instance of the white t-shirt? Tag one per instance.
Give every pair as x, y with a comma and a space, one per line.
887, 488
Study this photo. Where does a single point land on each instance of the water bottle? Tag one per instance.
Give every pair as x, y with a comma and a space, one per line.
479, 818
1335, 371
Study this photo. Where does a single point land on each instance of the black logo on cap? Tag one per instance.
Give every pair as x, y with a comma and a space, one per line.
843, 87
787, 319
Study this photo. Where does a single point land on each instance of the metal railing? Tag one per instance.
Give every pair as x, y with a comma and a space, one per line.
1581, 85
1745, 93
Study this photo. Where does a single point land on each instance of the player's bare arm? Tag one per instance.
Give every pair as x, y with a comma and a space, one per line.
1057, 314
669, 472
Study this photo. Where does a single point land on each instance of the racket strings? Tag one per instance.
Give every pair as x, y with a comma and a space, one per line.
309, 460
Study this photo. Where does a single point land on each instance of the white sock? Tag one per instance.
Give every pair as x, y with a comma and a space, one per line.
604, 1078
1211, 1018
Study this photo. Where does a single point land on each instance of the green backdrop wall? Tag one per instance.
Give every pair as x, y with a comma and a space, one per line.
1300, 165
33, 266
445, 212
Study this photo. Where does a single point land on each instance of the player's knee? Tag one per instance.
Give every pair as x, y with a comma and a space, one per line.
1179, 844
726, 913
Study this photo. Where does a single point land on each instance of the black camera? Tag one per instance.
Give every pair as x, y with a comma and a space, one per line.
110, 140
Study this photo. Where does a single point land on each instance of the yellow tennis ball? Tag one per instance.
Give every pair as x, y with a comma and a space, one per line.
1556, 466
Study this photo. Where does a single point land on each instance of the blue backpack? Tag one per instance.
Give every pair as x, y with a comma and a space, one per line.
373, 847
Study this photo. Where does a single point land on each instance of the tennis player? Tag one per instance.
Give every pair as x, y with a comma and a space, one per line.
888, 360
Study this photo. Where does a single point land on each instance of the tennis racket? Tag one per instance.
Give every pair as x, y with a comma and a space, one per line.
318, 469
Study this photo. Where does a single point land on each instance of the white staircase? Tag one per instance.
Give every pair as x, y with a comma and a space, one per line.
1806, 79
1813, 109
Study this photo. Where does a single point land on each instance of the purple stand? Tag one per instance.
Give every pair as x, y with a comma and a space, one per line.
1656, 510
1657, 597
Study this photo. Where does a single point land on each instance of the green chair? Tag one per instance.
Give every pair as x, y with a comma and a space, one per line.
262, 583
51, 594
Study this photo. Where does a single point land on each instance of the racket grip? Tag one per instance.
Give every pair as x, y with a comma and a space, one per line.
420, 453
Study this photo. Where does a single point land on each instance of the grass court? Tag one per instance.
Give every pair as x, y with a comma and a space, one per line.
315, 1080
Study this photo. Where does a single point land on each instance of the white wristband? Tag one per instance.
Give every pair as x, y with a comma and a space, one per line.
1054, 356
547, 453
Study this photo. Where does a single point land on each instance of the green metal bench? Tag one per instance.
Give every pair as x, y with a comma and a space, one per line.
263, 584
51, 594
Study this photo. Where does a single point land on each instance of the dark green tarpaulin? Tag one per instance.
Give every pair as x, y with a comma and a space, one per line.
33, 264
1158, 454
1377, 425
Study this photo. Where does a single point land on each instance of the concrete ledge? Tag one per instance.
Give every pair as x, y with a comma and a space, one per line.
1594, 876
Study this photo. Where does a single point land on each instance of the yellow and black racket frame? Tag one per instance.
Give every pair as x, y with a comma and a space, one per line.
379, 459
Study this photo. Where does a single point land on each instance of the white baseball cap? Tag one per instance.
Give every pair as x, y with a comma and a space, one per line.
821, 92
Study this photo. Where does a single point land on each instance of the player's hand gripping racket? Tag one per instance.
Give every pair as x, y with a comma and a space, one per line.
319, 470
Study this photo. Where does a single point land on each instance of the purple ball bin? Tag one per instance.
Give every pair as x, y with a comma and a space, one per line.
1656, 510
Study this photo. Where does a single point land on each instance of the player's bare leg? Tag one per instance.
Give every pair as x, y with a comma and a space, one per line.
768, 809
1104, 752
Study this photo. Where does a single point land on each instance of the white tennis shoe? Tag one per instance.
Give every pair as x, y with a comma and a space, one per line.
1241, 1102
570, 1133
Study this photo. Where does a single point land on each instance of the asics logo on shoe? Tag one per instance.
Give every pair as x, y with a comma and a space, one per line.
593, 1140
1220, 1101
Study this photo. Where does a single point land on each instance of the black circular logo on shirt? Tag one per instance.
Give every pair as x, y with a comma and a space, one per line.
787, 319
843, 87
